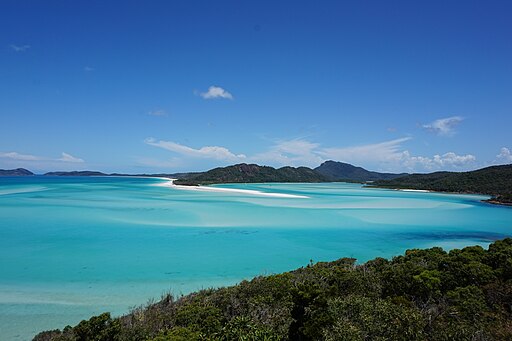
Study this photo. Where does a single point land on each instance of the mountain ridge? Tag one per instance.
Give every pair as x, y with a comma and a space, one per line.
15, 172
243, 172
337, 171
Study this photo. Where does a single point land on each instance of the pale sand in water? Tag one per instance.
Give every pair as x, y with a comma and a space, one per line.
170, 183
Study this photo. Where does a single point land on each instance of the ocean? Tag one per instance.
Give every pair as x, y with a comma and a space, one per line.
72, 247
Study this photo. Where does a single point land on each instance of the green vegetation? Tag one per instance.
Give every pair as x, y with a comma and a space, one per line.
495, 181
243, 173
423, 295
339, 171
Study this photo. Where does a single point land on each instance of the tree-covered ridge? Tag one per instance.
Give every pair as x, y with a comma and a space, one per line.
422, 295
252, 173
495, 181
340, 171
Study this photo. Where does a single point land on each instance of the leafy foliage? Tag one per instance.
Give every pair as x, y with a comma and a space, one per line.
361, 318
495, 181
252, 173
340, 171
422, 295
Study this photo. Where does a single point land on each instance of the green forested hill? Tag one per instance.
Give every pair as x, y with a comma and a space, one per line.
495, 181
242, 173
339, 171
422, 295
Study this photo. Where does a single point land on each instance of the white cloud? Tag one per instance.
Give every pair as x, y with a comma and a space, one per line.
296, 152
383, 152
66, 161
14, 160
69, 158
444, 126
208, 152
448, 160
18, 156
388, 155
216, 92
504, 156
158, 112
19, 48
88, 69
391, 155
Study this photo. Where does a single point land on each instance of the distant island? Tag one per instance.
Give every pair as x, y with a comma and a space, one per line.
328, 171
76, 173
495, 181
245, 173
15, 172
158, 175
422, 295
25, 172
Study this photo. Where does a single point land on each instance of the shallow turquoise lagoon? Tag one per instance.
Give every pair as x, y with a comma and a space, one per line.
73, 247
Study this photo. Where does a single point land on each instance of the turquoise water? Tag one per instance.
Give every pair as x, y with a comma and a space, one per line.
73, 247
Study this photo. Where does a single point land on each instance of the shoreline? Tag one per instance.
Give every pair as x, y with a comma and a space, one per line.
251, 288
490, 201
170, 184
499, 203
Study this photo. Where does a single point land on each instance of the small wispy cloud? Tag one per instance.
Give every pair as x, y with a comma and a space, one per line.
382, 152
69, 158
208, 152
88, 69
216, 92
294, 152
19, 157
505, 156
15, 156
444, 126
36, 163
19, 48
158, 112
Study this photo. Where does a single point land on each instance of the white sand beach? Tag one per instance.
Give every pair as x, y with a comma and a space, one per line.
170, 183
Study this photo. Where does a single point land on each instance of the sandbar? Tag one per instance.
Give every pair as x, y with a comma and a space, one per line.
170, 183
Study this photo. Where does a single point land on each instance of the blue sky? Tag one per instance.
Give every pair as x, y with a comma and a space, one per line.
167, 86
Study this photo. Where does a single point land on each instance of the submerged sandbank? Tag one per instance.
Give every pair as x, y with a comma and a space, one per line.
170, 183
